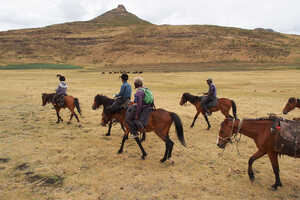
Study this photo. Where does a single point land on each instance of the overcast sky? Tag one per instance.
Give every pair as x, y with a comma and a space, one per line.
280, 15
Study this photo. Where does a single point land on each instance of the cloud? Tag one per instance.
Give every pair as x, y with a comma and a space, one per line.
282, 16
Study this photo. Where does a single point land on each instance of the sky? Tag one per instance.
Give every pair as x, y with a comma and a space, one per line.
279, 15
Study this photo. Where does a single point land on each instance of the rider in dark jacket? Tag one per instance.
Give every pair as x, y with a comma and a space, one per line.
211, 95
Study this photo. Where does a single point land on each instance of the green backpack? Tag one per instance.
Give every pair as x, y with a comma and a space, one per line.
148, 99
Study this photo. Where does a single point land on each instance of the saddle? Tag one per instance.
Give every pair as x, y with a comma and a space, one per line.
212, 103
288, 138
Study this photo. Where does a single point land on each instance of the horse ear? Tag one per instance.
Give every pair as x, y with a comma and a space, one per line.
292, 100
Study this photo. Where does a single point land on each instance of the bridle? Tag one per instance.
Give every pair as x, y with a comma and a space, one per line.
233, 134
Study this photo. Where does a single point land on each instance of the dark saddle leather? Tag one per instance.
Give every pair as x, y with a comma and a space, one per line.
288, 138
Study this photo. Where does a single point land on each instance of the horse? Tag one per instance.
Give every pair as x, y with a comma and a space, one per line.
70, 103
106, 102
291, 105
223, 104
260, 131
159, 122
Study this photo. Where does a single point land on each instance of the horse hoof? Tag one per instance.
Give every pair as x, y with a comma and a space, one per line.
143, 157
120, 151
79, 125
163, 160
192, 126
57, 122
274, 187
251, 177
69, 123
107, 134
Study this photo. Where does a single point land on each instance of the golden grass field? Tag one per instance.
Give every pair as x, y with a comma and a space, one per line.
42, 160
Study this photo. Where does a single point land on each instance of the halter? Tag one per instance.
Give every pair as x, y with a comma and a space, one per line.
233, 134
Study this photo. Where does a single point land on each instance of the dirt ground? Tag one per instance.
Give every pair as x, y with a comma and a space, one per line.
40, 159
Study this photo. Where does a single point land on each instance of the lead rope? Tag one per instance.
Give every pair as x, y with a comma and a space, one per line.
237, 140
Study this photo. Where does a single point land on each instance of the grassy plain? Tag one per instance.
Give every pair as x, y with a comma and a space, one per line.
40, 159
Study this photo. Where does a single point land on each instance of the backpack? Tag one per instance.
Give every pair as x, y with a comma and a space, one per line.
148, 99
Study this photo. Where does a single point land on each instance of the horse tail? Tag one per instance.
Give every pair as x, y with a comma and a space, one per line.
233, 109
76, 102
178, 127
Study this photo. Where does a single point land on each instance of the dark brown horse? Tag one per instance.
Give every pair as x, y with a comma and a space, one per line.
70, 103
159, 122
100, 100
260, 131
223, 105
291, 105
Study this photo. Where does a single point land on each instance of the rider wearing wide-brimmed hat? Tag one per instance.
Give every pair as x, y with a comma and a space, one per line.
61, 91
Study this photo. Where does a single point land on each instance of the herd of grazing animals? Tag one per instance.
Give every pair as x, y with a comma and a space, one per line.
266, 132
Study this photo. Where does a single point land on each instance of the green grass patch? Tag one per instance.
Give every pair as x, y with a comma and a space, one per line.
39, 66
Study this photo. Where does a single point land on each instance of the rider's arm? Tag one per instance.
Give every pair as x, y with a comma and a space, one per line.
122, 91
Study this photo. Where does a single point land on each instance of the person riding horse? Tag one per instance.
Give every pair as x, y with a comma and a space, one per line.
122, 97
211, 96
137, 115
61, 91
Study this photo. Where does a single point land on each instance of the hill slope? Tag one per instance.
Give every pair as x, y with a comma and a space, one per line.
119, 38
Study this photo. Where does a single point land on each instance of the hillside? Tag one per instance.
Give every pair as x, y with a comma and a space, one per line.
119, 38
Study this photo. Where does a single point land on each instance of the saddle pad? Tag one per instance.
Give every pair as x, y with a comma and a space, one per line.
212, 103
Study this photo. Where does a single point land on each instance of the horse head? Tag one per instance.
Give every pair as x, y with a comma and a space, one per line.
101, 100
290, 105
45, 99
183, 99
226, 132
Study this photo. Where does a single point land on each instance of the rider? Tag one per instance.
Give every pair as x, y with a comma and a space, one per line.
123, 96
61, 91
138, 114
211, 95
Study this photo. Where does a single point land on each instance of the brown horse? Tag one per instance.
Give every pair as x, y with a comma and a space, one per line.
291, 105
70, 103
223, 105
260, 131
160, 122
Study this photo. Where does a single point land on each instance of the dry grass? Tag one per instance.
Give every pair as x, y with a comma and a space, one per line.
42, 160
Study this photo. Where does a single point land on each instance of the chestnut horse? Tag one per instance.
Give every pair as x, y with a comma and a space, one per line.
291, 105
100, 100
260, 131
223, 105
159, 122
70, 103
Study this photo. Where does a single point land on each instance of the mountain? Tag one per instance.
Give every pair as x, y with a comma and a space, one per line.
119, 38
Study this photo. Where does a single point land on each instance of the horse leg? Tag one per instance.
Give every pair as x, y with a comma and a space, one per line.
141, 147
196, 116
109, 128
206, 119
125, 137
254, 157
57, 114
71, 116
143, 137
171, 143
274, 160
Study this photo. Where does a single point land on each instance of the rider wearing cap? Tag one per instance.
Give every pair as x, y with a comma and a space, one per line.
211, 95
123, 96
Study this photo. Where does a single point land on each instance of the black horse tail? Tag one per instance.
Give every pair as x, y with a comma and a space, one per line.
233, 109
76, 102
178, 127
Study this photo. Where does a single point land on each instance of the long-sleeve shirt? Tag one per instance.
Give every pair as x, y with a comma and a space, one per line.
125, 91
212, 91
139, 100
62, 88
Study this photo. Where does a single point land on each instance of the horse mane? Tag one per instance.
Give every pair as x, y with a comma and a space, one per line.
103, 100
192, 98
